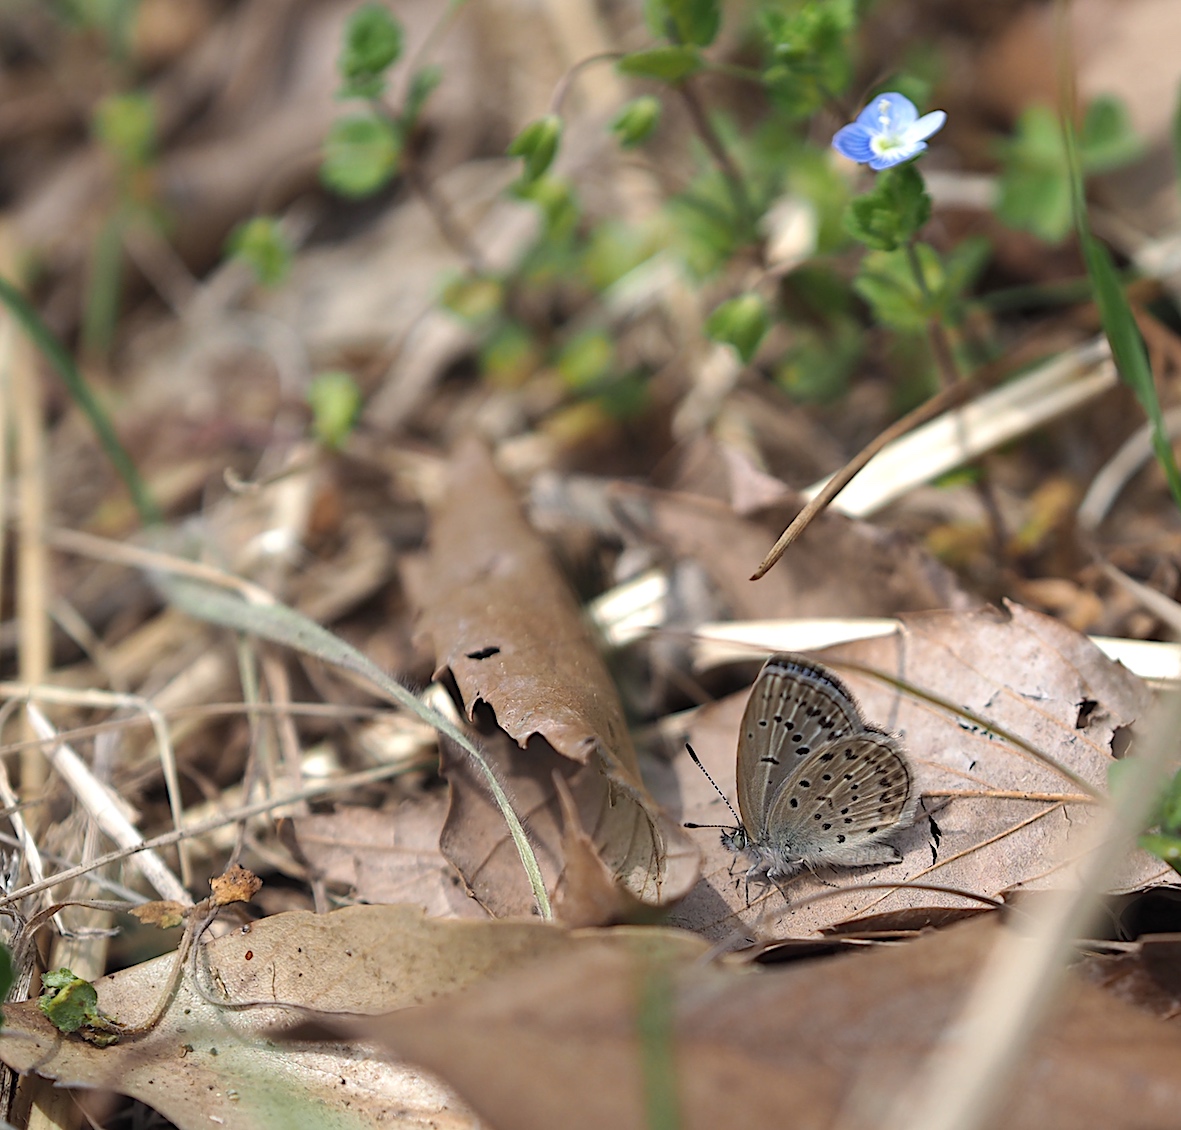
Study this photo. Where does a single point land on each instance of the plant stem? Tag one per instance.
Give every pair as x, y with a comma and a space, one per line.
567, 80
453, 232
729, 170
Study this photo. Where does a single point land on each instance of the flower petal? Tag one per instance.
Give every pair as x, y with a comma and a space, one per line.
853, 141
926, 125
898, 110
892, 157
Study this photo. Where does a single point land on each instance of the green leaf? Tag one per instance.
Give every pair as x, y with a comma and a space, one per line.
422, 86
1035, 184
586, 360
810, 59
361, 155
1107, 139
1164, 847
819, 364
740, 322
671, 64
687, 21
887, 283
262, 246
625, 398
636, 121
71, 1004
1037, 201
510, 356
890, 215
557, 203
372, 43
473, 297
126, 126
335, 401
537, 143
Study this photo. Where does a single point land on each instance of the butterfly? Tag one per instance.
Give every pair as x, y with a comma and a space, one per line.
816, 783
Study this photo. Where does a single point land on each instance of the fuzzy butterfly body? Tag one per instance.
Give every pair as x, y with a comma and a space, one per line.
816, 783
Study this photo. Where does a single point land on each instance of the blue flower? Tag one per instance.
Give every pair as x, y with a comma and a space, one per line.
887, 132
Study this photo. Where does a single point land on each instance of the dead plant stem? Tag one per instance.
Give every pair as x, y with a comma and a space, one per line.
939, 403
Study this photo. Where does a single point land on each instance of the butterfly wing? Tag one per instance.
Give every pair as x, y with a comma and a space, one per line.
845, 798
794, 708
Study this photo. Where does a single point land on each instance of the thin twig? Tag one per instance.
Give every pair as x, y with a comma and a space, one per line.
940, 402
453, 232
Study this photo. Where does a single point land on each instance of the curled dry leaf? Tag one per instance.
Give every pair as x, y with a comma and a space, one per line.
236, 884
557, 1043
162, 913
504, 622
213, 1060
1000, 816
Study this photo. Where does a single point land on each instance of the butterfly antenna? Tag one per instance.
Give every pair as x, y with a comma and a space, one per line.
697, 762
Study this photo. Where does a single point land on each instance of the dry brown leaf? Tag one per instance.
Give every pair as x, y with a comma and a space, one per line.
164, 913
555, 1044
235, 884
587, 894
1018, 670
386, 856
504, 622
213, 1060
1147, 976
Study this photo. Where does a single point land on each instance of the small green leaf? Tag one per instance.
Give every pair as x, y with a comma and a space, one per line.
1163, 847
1035, 189
819, 363
1107, 139
1037, 201
636, 121
887, 283
422, 85
360, 155
671, 64
335, 401
473, 297
697, 21
372, 43
586, 359
262, 246
537, 143
557, 202
510, 356
70, 1004
809, 56
126, 126
740, 322
890, 215
625, 398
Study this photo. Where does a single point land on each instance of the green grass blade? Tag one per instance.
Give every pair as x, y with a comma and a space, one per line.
1127, 344
43, 338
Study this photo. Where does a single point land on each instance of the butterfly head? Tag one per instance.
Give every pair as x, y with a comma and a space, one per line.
736, 839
